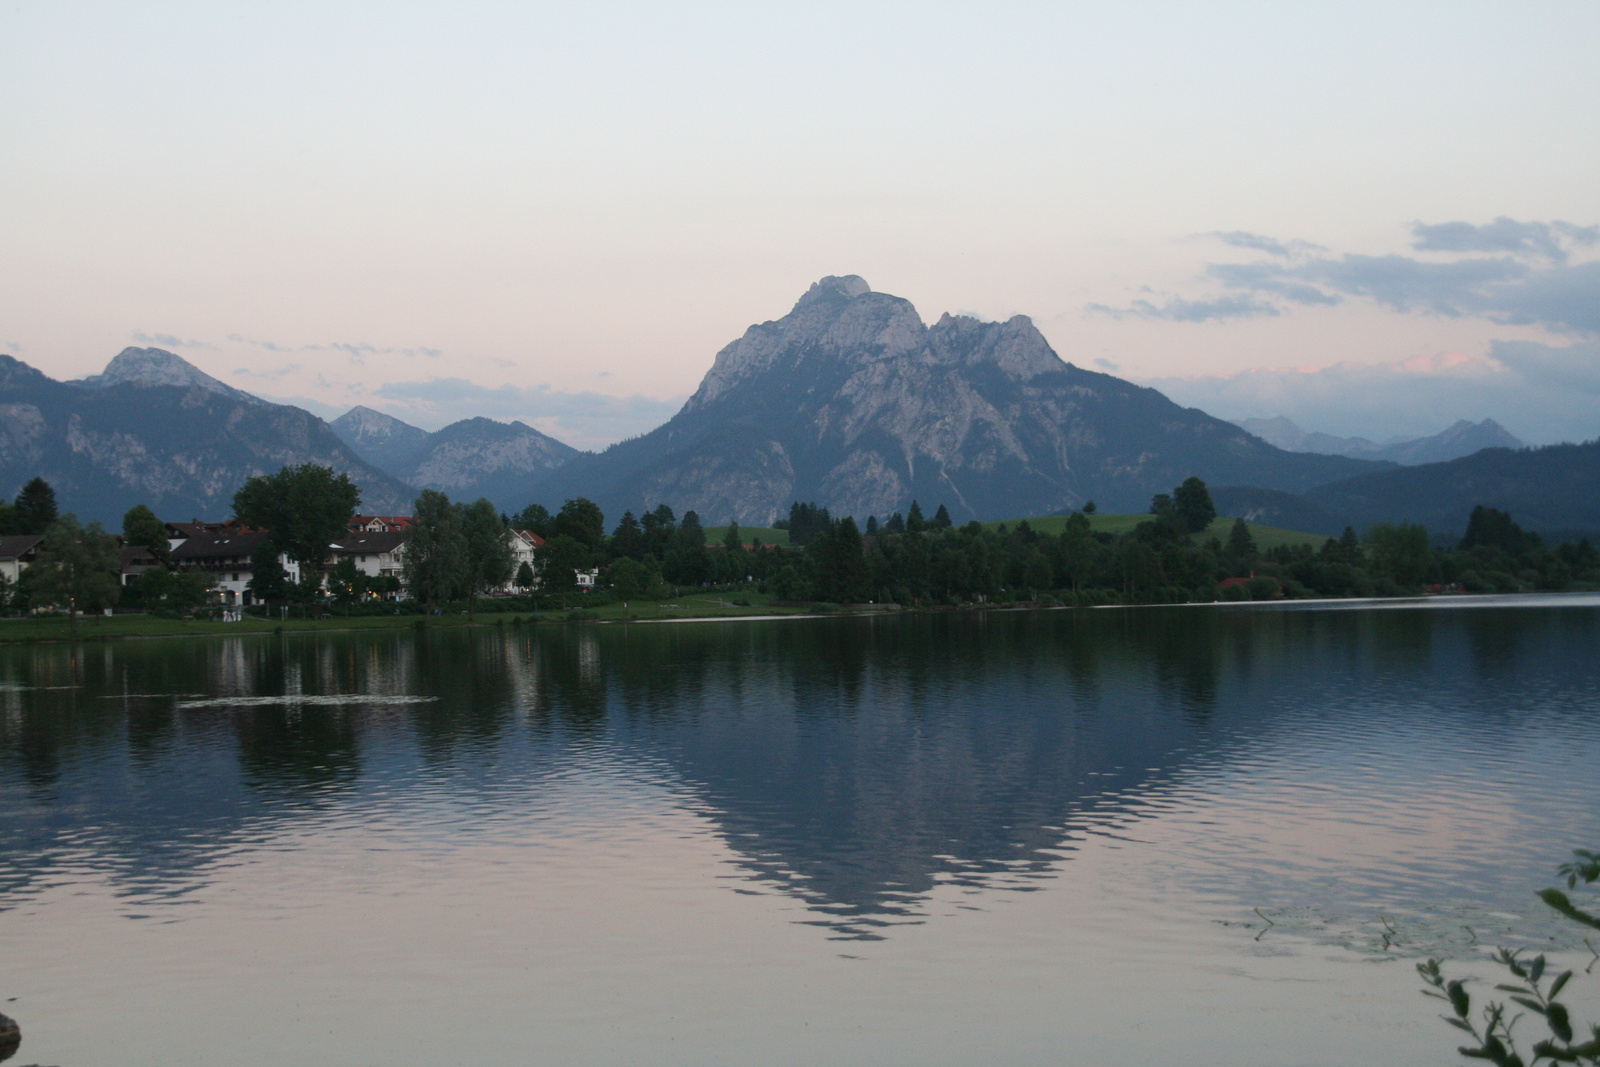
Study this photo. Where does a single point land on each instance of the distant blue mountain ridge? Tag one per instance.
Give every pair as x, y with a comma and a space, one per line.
849, 400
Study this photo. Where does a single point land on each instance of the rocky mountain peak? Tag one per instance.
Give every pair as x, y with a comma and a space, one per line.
362, 421
382, 440
153, 367
1015, 346
838, 326
834, 288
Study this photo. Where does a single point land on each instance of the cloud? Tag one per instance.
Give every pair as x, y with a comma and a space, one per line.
1541, 393
1269, 278
268, 345
1176, 309
1544, 239
1107, 366
276, 373
358, 351
167, 340
1509, 272
1270, 245
583, 419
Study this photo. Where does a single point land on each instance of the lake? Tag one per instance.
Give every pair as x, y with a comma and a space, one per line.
961, 838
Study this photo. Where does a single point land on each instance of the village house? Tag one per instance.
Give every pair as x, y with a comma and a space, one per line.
524, 545
223, 552
376, 554
134, 560
379, 523
17, 552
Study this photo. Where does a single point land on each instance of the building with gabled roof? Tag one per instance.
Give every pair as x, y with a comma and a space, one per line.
17, 553
224, 553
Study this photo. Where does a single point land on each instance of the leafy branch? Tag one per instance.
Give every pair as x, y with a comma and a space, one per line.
1493, 1029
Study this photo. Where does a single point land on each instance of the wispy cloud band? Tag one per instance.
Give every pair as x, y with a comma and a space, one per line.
1510, 272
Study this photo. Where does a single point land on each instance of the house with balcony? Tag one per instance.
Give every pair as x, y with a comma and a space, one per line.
222, 551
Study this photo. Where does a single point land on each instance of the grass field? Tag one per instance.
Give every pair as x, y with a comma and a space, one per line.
123, 627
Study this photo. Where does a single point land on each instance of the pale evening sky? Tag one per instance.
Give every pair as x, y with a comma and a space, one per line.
560, 213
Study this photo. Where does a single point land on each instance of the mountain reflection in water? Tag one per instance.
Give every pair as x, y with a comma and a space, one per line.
855, 763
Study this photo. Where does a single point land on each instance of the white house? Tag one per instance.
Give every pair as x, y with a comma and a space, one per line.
17, 551
376, 555
524, 545
224, 553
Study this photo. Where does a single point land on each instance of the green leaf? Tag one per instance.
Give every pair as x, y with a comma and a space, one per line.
1536, 968
1559, 983
1459, 1000
1530, 1004
1558, 900
1560, 1023
1458, 1024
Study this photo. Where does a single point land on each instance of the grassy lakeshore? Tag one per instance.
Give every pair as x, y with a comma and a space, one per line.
698, 605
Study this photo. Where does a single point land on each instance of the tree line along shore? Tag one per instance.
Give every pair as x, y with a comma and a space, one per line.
457, 561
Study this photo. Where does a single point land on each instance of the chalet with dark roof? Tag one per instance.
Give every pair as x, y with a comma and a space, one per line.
17, 553
224, 554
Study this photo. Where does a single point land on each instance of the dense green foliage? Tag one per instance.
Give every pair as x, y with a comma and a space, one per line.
456, 553
1170, 556
77, 569
305, 508
35, 508
141, 527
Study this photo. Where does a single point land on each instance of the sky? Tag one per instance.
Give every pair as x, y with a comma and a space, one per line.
1372, 218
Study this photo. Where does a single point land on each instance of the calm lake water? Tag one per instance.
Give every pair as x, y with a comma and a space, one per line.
999, 838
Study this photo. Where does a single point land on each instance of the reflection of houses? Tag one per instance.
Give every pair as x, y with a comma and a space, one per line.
17, 552
222, 551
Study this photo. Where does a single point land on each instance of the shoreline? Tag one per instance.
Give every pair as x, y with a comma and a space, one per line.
95, 629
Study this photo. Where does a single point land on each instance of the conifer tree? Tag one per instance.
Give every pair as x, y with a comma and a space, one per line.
35, 507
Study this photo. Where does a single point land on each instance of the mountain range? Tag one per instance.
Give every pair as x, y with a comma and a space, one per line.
153, 429
467, 459
849, 400
1461, 439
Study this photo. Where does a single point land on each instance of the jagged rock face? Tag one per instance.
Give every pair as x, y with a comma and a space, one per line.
851, 401
481, 457
151, 367
165, 439
382, 440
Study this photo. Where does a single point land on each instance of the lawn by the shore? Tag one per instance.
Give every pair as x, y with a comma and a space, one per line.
697, 605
